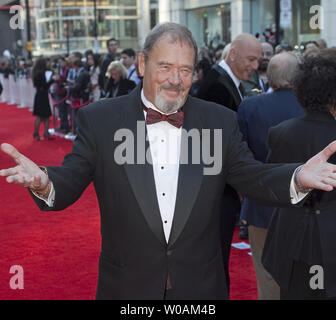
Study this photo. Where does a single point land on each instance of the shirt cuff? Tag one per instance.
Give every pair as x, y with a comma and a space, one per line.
51, 198
296, 197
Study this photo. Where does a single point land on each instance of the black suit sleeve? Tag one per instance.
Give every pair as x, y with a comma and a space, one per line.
266, 184
77, 170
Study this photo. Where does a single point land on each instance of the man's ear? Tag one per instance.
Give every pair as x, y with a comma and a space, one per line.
141, 64
232, 55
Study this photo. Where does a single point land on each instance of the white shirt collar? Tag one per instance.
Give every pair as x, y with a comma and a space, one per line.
227, 68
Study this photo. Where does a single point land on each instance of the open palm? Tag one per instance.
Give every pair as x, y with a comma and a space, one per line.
26, 173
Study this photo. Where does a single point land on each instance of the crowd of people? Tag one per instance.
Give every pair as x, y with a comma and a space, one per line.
71, 82
285, 103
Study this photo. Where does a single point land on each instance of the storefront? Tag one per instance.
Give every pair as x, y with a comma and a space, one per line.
68, 25
210, 25
295, 17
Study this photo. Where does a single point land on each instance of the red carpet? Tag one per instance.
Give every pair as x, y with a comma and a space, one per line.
59, 250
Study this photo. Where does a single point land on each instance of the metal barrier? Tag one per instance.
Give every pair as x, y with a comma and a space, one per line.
18, 91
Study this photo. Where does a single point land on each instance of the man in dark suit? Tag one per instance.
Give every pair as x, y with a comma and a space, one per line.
255, 116
223, 85
160, 220
300, 245
223, 82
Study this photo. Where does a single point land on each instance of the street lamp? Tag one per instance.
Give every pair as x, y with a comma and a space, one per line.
277, 22
67, 38
29, 44
95, 33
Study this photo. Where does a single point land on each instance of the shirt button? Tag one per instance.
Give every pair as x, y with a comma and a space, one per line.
165, 221
162, 168
163, 194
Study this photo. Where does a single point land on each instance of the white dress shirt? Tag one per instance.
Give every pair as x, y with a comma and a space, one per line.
165, 142
132, 74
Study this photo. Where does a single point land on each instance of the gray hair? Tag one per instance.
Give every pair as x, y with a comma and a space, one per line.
282, 69
177, 32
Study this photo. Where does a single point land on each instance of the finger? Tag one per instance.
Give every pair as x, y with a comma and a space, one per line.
11, 151
9, 171
328, 151
322, 186
16, 178
332, 175
329, 181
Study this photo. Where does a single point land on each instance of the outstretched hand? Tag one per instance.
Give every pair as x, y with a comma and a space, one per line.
26, 173
317, 173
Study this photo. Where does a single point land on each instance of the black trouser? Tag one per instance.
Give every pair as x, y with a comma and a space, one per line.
63, 110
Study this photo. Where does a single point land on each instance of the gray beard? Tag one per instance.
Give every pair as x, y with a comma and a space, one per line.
167, 107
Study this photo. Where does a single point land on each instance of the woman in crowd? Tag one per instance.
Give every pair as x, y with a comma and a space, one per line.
117, 84
94, 70
300, 247
41, 100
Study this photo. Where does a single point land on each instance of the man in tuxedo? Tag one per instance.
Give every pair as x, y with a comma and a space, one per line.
255, 116
160, 220
223, 83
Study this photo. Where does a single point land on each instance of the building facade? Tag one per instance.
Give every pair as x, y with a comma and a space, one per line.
219, 21
64, 26
69, 25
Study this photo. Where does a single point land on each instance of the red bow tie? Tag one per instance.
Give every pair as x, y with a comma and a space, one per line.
175, 119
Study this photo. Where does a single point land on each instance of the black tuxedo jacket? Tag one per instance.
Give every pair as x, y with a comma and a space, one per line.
219, 87
135, 258
125, 86
303, 233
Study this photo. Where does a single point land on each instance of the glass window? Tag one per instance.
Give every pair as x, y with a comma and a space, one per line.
131, 29
71, 12
210, 26
49, 30
263, 16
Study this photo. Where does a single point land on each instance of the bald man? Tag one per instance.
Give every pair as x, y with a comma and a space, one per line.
222, 84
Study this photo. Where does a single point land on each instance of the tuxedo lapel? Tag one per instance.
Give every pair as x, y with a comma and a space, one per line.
190, 177
226, 81
141, 176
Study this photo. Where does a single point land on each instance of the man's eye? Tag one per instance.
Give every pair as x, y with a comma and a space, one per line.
186, 72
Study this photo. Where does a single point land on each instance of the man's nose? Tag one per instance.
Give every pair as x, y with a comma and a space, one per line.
175, 77
255, 64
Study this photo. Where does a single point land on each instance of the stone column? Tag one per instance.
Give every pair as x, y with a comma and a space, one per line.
240, 17
329, 22
143, 21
